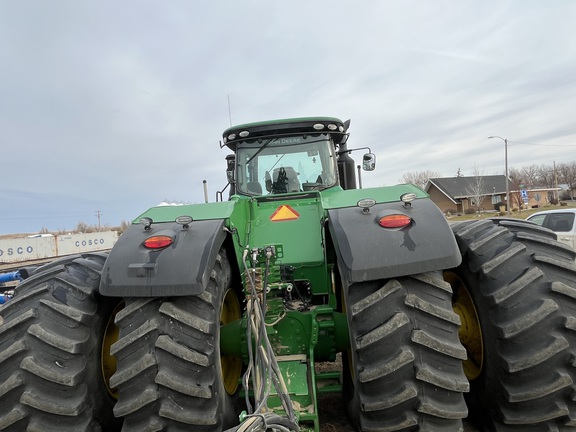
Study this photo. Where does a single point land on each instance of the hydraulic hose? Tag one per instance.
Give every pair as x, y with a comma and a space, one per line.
263, 370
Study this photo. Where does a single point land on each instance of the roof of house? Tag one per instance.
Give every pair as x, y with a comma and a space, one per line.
458, 187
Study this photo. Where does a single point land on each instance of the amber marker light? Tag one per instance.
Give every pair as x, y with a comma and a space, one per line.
395, 221
158, 242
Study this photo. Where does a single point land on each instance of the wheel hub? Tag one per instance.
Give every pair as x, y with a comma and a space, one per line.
108, 361
470, 332
231, 366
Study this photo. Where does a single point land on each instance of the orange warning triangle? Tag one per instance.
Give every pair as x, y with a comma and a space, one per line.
284, 213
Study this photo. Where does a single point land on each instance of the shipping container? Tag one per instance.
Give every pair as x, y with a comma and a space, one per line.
37, 248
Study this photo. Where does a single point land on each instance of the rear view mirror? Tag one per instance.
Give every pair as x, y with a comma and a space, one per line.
369, 162
230, 165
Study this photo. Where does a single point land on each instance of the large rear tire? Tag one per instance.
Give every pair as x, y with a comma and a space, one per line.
51, 336
169, 374
406, 358
516, 295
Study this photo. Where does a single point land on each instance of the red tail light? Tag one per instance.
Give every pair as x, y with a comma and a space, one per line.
395, 221
158, 242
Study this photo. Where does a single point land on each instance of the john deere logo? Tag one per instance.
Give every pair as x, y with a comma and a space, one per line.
284, 213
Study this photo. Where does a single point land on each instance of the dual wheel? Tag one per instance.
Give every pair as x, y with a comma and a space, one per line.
511, 305
507, 314
515, 293
66, 354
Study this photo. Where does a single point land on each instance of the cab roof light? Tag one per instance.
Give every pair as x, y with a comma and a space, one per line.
158, 242
318, 126
244, 134
395, 221
332, 127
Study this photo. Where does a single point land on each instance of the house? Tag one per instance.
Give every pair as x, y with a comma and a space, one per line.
454, 194
458, 194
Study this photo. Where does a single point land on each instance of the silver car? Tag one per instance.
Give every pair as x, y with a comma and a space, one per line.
560, 221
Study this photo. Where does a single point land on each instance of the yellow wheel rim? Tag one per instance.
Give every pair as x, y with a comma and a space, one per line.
231, 366
470, 332
107, 361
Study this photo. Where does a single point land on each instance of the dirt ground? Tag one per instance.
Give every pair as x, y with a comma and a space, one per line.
333, 416
332, 411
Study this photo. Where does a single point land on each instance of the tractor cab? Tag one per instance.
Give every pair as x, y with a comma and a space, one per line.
285, 165
289, 156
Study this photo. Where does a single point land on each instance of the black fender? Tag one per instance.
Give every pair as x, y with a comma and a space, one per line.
367, 251
181, 269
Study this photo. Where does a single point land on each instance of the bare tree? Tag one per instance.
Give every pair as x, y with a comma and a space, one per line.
419, 178
546, 175
516, 176
476, 188
530, 175
567, 174
519, 179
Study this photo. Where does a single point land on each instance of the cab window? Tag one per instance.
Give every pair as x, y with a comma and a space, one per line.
285, 165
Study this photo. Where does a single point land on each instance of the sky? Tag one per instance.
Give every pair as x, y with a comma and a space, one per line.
108, 108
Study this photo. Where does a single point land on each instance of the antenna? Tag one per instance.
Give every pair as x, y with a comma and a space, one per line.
229, 111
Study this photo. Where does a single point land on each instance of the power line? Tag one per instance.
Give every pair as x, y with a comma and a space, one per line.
543, 145
64, 216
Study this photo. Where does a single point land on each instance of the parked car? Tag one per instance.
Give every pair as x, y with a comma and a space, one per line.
559, 221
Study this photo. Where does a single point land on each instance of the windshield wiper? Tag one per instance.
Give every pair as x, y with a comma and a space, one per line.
260, 149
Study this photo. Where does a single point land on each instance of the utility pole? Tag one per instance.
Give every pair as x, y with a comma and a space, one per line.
98, 215
556, 194
506, 171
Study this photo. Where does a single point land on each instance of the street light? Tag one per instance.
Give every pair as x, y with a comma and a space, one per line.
506, 171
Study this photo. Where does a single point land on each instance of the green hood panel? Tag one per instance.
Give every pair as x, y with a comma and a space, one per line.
204, 211
294, 223
339, 198
330, 199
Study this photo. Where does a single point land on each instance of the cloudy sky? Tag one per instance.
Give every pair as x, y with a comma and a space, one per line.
115, 106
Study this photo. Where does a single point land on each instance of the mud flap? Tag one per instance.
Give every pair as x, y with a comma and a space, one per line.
183, 268
367, 251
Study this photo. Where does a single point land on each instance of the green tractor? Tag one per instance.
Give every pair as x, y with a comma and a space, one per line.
223, 315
